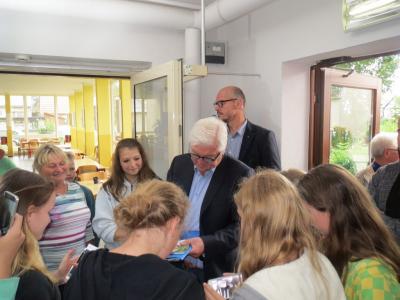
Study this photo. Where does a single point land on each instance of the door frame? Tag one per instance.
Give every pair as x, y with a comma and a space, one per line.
173, 71
322, 79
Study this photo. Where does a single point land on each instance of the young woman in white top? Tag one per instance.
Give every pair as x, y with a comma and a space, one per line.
277, 253
129, 167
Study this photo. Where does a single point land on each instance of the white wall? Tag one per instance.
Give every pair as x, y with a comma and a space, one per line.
280, 42
42, 34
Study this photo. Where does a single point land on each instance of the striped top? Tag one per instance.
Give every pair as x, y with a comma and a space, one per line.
70, 227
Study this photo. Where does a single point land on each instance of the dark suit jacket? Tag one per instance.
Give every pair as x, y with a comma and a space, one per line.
259, 148
219, 222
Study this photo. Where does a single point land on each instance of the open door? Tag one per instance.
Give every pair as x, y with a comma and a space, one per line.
344, 117
157, 110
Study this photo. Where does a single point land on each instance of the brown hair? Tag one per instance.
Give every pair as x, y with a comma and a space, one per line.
274, 223
31, 189
357, 230
151, 205
294, 175
115, 184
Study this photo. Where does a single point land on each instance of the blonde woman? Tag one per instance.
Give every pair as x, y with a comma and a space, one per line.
356, 239
70, 228
36, 199
151, 218
277, 254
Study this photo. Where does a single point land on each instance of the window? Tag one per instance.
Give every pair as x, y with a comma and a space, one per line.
350, 103
63, 127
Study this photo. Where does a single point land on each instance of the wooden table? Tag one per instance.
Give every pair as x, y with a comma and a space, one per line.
88, 161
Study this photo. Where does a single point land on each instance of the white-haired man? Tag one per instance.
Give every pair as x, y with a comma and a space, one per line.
384, 188
210, 179
383, 148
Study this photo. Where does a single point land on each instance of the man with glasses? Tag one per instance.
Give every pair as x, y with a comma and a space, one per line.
210, 179
383, 148
251, 144
384, 188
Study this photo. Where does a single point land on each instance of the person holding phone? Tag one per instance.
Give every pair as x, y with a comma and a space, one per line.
277, 252
152, 218
36, 199
129, 168
10, 243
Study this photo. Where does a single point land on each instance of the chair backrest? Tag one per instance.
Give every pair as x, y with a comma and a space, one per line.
86, 169
91, 175
33, 144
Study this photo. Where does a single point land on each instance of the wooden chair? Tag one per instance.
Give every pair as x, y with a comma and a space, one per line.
86, 169
91, 175
23, 147
33, 146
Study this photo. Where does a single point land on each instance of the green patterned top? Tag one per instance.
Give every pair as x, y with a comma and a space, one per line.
371, 279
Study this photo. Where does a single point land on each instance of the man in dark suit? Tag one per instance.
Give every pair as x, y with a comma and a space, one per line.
210, 179
251, 144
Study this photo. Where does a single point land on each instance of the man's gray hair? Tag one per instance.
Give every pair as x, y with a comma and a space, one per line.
209, 131
382, 141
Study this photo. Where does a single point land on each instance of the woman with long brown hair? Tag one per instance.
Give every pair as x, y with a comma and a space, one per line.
129, 168
354, 236
277, 253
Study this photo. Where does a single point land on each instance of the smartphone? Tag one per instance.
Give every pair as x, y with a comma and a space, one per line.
225, 285
8, 209
88, 248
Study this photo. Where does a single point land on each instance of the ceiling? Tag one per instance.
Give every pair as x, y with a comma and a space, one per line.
191, 4
15, 84
21, 84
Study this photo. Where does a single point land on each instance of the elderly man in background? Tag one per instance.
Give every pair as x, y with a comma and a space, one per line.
247, 142
209, 178
385, 190
383, 149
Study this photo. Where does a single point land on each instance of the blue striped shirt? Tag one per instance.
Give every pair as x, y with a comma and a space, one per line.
235, 141
198, 190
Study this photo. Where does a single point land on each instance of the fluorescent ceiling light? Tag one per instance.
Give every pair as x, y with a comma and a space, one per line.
362, 13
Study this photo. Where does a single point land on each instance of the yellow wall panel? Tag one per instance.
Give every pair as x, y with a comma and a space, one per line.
80, 121
89, 119
103, 96
126, 101
72, 121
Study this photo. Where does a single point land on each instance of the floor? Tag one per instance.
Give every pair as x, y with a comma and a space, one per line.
23, 163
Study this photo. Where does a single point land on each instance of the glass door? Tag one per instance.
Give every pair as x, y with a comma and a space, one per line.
157, 118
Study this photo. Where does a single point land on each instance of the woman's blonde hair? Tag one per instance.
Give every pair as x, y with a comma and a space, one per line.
152, 204
32, 189
43, 154
274, 223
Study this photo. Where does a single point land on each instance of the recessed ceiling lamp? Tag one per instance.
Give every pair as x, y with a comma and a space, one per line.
361, 13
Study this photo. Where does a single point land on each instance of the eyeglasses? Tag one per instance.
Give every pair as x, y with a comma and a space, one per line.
206, 159
220, 103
